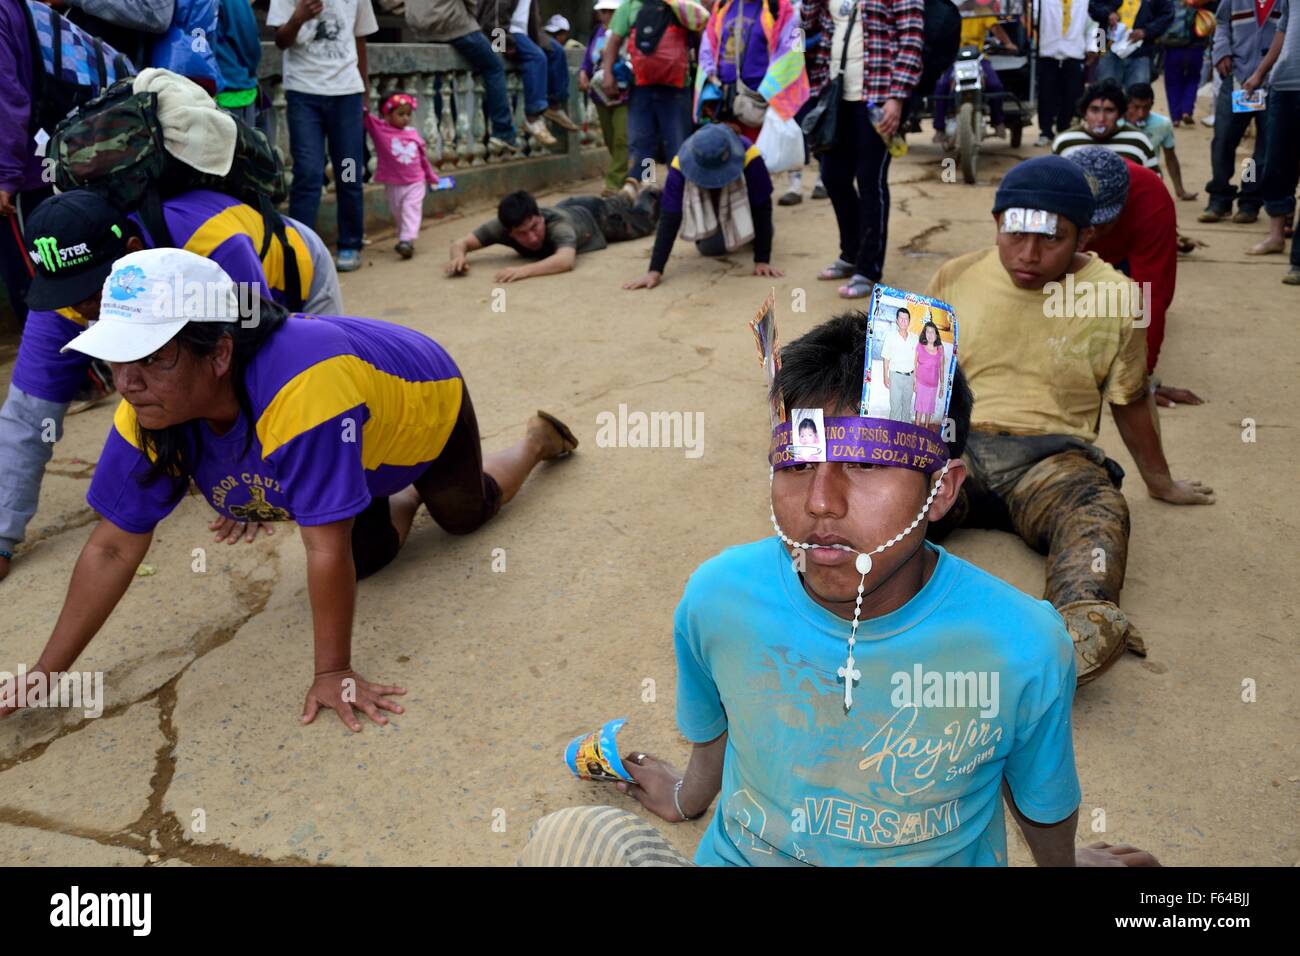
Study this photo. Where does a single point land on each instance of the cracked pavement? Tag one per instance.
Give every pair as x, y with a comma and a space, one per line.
199, 758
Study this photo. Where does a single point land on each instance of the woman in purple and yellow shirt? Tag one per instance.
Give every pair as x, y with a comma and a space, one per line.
343, 425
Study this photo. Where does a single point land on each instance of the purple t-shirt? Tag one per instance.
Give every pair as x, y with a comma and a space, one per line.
206, 223
758, 182
754, 54
343, 409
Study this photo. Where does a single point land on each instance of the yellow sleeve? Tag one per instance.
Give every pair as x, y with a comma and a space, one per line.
1126, 381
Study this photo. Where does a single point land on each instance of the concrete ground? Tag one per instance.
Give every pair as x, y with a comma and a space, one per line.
199, 757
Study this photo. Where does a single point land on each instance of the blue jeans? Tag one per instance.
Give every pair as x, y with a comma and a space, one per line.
23, 456
477, 49
658, 121
545, 74
1136, 68
313, 119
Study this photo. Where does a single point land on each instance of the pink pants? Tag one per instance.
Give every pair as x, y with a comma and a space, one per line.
406, 203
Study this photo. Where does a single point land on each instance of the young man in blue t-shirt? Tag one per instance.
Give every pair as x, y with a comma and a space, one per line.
958, 686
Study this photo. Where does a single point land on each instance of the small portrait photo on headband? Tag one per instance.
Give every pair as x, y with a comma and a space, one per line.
808, 438
1039, 221
911, 358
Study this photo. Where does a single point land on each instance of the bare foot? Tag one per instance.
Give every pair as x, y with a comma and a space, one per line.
1267, 248
550, 437
401, 511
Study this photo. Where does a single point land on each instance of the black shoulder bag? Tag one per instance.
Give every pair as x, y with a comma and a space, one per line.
819, 122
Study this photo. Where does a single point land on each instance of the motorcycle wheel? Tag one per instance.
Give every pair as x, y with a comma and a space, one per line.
967, 142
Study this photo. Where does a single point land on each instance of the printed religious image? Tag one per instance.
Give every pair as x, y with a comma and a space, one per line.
594, 756
808, 434
911, 358
763, 326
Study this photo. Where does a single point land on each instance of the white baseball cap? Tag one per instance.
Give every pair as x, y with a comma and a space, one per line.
608, 4
556, 24
151, 295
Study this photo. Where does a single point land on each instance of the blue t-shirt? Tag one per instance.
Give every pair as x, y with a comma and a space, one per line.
901, 779
1159, 129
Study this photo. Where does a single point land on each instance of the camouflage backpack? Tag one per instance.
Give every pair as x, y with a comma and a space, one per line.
113, 145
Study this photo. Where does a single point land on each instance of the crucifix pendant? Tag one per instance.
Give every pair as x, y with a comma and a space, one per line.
849, 675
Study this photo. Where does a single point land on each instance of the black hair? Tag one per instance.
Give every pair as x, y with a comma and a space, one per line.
1105, 90
516, 208
808, 423
938, 339
174, 451
902, 308
824, 367
1141, 91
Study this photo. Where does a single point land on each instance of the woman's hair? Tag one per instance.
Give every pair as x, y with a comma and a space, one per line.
937, 340
174, 450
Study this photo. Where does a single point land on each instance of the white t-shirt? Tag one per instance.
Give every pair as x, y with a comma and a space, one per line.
1062, 28
323, 58
841, 10
900, 352
519, 19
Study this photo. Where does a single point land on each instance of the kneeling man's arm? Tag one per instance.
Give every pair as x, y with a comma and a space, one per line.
656, 781
460, 249
1052, 844
1136, 425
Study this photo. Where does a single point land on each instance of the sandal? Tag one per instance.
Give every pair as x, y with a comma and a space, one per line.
839, 269
570, 440
858, 287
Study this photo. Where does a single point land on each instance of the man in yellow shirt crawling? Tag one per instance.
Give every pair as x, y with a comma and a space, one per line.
1048, 334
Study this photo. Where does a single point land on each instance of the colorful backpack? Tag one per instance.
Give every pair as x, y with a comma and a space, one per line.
69, 66
659, 51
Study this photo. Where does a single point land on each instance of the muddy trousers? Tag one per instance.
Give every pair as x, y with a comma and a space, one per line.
597, 836
1066, 506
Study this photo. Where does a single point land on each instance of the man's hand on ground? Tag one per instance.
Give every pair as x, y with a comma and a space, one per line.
9, 690
647, 281
1186, 196
330, 690
459, 264
1103, 854
1167, 396
512, 274
1182, 492
767, 269
654, 785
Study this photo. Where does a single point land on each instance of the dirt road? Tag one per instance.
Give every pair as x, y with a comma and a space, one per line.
199, 757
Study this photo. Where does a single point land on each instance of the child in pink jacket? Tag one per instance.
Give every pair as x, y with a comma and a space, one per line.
402, 166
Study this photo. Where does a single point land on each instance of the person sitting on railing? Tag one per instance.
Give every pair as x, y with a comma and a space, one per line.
453, 21
554, 237
543, 65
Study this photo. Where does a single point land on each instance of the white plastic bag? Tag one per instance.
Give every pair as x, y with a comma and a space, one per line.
780, 142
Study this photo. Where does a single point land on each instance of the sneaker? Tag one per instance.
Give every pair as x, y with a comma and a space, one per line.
502, 145
349, 260
1212, 215
536, 128
1207, 120
404, 249
1246, 218
791, 198
1000, 131
819, 191
560, 118
1043, 140
631, 189
1292, 277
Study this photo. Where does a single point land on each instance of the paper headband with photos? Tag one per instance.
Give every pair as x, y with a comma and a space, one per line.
900, 422
1040, 221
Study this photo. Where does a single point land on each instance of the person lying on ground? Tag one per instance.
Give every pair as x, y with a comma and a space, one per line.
344, 425
1135, 229
72, 240
719, 195
816, 760
554, 237
1048, 338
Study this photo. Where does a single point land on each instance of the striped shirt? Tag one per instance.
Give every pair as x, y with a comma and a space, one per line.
1132, 144
343, 410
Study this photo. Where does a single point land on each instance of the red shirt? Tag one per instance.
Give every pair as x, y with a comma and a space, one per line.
1144, 245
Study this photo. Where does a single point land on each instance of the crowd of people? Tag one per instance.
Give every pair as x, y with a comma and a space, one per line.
349, 425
